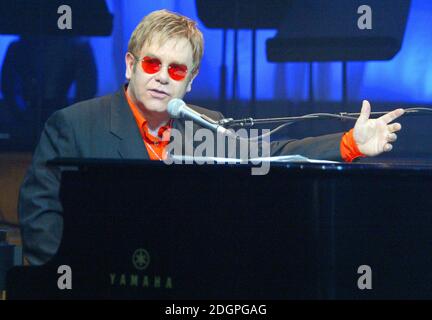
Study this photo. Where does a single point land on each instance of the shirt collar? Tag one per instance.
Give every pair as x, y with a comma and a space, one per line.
163, 132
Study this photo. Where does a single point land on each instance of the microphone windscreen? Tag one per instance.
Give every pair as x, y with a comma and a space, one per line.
174, 107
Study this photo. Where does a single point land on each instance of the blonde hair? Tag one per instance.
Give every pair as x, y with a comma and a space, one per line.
166, 24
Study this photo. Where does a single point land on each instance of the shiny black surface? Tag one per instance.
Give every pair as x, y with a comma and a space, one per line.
219, 232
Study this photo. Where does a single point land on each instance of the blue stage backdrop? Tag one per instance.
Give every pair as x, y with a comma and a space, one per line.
407, 78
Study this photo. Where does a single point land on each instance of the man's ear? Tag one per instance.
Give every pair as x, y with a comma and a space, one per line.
189, 86
130, 62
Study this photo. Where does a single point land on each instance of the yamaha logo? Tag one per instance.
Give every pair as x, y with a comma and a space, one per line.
141, 259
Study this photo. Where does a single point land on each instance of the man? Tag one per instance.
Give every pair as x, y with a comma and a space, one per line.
163, 59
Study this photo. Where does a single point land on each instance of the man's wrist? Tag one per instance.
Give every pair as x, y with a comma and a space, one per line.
348, 147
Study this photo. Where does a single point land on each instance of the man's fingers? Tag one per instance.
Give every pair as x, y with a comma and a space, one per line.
365, 112
389, 117
392, 137
387, 147
394, 127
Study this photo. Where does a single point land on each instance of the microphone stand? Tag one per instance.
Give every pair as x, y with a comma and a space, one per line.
250, 122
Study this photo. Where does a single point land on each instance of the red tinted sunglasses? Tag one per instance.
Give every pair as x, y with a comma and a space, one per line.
153, 65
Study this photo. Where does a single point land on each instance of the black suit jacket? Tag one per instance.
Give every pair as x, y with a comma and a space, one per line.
103, 128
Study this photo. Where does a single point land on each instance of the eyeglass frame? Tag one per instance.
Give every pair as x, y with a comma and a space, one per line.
137, 59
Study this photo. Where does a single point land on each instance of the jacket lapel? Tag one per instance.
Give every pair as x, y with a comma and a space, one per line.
123, 126
130, 144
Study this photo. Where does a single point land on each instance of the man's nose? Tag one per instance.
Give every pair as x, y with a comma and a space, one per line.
162, 76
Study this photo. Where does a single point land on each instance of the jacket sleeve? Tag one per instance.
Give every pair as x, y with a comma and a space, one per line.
39, 208
325, 147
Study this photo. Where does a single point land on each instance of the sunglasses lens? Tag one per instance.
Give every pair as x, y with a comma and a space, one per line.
177, 71
150, 65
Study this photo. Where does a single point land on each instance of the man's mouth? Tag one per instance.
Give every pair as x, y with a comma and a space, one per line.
158, 94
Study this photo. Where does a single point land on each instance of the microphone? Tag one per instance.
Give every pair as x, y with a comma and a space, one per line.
177, 108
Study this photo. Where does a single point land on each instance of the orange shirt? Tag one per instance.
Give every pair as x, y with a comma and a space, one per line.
155, 145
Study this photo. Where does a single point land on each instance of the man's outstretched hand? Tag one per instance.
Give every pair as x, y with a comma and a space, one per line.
374, 136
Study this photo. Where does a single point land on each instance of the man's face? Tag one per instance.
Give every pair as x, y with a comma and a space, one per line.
153, 91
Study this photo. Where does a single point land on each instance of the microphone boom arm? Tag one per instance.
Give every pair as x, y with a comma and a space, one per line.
250, 122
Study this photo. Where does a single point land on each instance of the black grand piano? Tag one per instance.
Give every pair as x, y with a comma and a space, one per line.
146, 230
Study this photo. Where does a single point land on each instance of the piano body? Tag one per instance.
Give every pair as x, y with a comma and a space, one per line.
146, 230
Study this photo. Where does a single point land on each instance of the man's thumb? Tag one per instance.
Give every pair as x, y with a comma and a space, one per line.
365, 112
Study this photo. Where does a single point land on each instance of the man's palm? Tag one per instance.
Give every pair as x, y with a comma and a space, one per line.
373, 136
